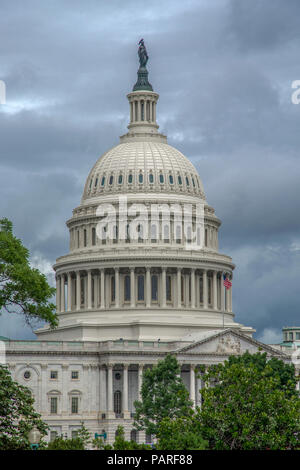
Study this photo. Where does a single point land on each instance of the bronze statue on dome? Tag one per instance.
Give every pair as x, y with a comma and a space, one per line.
142, 52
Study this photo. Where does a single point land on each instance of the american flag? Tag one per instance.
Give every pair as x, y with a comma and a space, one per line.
226, 282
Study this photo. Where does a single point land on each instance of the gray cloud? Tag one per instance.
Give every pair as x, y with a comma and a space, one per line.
223, 70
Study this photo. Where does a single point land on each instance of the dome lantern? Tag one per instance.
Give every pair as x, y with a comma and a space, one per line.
142, 102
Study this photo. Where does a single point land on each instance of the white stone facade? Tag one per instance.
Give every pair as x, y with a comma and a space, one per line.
124, 303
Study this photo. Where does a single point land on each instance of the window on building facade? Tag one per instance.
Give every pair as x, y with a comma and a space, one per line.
117, 402
130, 178
84, 237
53, 405
111, 179
74, 405
154, 287
74, 434
209, 290
141, 177
161, 178
297, 336
112, 288
151, 178
53, 374
120, 179
126, 288
93, 236
133, 435
141, 293
182, 289
74, 374
148, 438
201, 289
169, 288
153, 233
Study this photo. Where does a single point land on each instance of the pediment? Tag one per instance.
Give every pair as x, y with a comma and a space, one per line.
229, 342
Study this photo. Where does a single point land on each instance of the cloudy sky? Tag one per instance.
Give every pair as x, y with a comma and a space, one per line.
224, 71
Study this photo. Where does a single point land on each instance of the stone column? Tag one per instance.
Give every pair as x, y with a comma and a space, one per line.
179, 287
150, 105
193, 288
117, 288
205, 296
89, 289
132, 288
148, 288
215, 291
110, 408
62, 293
78, 288
192, 384
102, 305
69, 305
140, 380
163, 287
125, 410
57, 293
103, 388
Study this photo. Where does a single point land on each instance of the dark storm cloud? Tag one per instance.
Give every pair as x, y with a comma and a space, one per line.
223, 70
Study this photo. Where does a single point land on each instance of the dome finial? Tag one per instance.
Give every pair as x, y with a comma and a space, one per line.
142, 81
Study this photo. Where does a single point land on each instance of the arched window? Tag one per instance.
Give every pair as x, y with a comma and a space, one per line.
206, 237
112, 288
153, 233
171, 180
117, 402
141, 287
84, 237
93, 236
141, 177
179, 180
91, 183
161, 178
126, 288
166, 233
120, 179
130, 178
96, 182
187, 181
133, 435
111, 179
178, 233
103, 181
151, 178
154, 287
193, 181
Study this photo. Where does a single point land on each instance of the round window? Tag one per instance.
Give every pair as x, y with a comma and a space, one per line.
118, 376
27, 374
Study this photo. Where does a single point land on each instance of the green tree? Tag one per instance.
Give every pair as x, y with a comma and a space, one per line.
23, 289
59, 443
276, 368
84, 435
245, 408
180, 434
163, 395
121, 444
17, 414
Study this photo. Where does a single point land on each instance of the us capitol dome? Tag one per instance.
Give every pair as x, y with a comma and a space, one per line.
149, 283
138, 283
